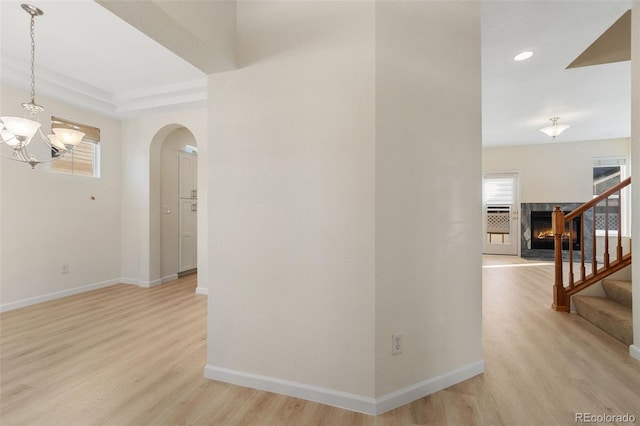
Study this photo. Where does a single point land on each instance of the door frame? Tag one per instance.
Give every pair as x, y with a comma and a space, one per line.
514, 248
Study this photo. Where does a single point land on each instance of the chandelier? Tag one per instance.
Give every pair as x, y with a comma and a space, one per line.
555, 129
18, 132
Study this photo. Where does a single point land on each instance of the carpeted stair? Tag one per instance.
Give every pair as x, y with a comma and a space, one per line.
611, 313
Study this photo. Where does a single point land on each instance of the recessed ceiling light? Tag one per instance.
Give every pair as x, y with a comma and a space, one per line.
523, 55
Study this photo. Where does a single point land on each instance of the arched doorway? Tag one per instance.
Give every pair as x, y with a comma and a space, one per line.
172, 203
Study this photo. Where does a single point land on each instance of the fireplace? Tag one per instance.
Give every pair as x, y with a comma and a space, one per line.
542, 233
528, 234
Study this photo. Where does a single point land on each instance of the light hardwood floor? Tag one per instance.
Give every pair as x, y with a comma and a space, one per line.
124, 355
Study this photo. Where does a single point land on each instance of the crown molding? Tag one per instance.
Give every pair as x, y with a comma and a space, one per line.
122, 105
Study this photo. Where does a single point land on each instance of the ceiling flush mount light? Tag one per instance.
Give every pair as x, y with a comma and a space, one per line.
555, 129
17, 132
523, 56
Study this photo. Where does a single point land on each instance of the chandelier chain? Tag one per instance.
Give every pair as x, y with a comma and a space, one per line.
33, 55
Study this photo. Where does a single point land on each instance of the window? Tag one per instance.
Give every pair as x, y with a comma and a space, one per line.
83, 159
608, 172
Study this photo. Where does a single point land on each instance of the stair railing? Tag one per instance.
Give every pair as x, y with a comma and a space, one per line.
564, 227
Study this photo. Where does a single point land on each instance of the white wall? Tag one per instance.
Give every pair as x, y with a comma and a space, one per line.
291, 248
635, 164
553, 172
428, 191
328, 179
174, 143
49, 219
141, 203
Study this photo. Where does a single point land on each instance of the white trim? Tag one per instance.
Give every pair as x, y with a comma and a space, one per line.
169, 278
202, 290
325, 396
121, 105
149, 284
349, 401
143, 284
634, 352
427, 387
57, 295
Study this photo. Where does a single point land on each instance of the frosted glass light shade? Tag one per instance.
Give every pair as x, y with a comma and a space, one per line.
554, 130
56, 143
22, 128
68, 136
9, 138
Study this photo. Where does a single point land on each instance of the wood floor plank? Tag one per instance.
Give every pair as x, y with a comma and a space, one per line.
124, 355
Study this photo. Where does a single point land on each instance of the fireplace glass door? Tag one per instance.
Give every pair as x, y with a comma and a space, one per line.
500, 210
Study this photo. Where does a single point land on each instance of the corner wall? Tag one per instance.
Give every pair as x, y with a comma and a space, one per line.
291, 248
428, 196
331, 172
634, 350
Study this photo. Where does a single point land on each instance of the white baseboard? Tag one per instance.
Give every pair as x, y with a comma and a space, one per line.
325, 396
353, 402
202, 290
634, 352
56, 295
427, 387
169, 278
140, 283
148, 284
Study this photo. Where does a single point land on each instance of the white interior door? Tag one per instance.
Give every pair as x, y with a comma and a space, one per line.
188, 213
501, 213
188, 235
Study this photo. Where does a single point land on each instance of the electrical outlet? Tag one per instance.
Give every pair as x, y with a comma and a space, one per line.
65, 268
396, 343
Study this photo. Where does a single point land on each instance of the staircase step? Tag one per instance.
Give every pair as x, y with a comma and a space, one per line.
618, 290
612, 317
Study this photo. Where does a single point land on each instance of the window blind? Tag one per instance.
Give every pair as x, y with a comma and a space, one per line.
498, 191
83, 159
79, 162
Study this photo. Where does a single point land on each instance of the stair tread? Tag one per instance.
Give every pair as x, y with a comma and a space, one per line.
619, 291
620, 283
614, 318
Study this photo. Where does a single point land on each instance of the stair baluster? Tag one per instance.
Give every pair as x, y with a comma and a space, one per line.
561, 294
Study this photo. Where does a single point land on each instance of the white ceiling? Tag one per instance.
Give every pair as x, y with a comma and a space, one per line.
90, 57
518, 98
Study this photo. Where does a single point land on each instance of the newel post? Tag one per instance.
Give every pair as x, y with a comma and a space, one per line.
560, 300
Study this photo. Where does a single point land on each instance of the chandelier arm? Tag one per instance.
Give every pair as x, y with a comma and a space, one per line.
12, 158
24, 153
33, 160
20, 156
44, 137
